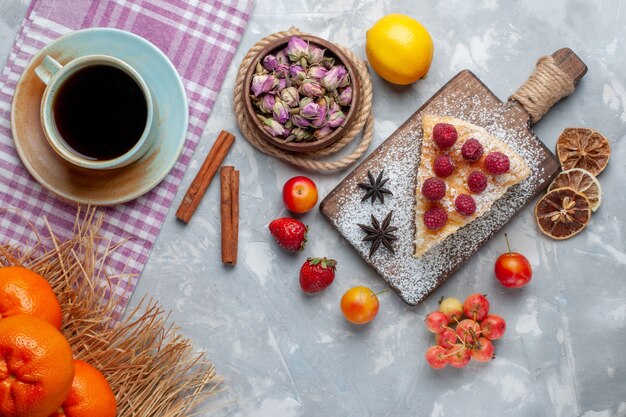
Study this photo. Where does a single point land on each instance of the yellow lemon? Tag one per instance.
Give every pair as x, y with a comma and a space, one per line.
399, 49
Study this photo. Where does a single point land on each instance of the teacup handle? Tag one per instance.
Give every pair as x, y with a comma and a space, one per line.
46, 70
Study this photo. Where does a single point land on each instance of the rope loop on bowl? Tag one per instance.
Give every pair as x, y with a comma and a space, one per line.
320, 160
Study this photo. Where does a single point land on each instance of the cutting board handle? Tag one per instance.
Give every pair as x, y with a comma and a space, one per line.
554, 78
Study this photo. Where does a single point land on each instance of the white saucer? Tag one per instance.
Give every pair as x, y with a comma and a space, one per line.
109, 187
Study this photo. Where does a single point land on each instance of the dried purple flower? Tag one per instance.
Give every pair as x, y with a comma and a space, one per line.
290, 96
345, 80
263, 83
282, 84
336, 118
266, 103
270, 62
281, 70
315, 55
345, 97
297, 73
272, 126
297, 48
281, 112
311, 88
323, 132
333, 77
328, 62
281, 57
317, 72
298, 134
300, 121
320, 119
311, 109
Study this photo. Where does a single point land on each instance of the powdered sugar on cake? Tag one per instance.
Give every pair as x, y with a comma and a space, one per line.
415, 278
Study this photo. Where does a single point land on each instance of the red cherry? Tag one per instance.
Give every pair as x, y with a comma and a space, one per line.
513, 269
436, 321
484, 353
493, 327
458, 355
436, 357
446, 338
476, 307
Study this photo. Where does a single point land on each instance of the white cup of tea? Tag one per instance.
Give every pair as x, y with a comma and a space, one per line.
96, 111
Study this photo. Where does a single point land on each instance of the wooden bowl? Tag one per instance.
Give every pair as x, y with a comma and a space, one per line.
340, 58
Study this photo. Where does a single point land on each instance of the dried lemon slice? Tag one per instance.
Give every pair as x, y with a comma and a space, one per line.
562, 213
580, 147
583, 182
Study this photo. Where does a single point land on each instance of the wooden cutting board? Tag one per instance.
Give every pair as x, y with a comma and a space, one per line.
466, 98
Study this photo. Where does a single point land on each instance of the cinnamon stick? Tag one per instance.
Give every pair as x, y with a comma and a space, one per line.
229, 211
201, 182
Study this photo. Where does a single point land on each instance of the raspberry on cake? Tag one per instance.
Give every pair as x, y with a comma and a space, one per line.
456, 182
477, 182
472, 150
497, 163
434, 189
444, 135
443, 166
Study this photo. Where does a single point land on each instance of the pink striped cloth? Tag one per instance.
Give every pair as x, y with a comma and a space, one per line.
184, 30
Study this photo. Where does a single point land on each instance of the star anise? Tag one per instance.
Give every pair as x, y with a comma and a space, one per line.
380, 234
375, 189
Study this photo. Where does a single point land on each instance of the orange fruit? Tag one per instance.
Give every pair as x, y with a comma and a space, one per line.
23, 291
581, 147
36, 367
581, 181
90, 395
399, 49
562, 213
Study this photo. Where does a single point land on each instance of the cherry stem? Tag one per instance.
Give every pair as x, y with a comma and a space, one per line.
381, 292
507, 242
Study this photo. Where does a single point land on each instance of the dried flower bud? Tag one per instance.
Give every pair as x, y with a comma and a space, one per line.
336, 118
281, 111
323, 132
311, 88
297, 48
315, 55
263, 83
297, 73
300, 121
320, 119
345, 80
310, 110
271, 126
317, 72
266, 103
333, 77
282, 84
290, 96
328, 62
281, 70
300, 134
281, 57
270, 62
345, 97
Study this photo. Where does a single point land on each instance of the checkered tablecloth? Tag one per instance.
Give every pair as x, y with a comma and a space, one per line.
193, 34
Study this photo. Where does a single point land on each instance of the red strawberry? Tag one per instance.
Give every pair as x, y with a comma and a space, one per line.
316, 274
290, 234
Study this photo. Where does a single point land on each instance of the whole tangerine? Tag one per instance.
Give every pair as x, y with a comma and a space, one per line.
23, 291
90, 395
36, 367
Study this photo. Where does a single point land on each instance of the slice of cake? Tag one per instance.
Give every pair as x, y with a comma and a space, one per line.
463, 170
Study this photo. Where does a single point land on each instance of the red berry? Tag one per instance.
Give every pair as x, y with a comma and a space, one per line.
468, 330
477, 182
435, 218
316, 274
472, 150
476, 307
290, 234
465, 204
434, 189
497, 163
493, 327
446, 338
436, 321
444, 135
458, 355
443, 166
435, 356
484, 352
